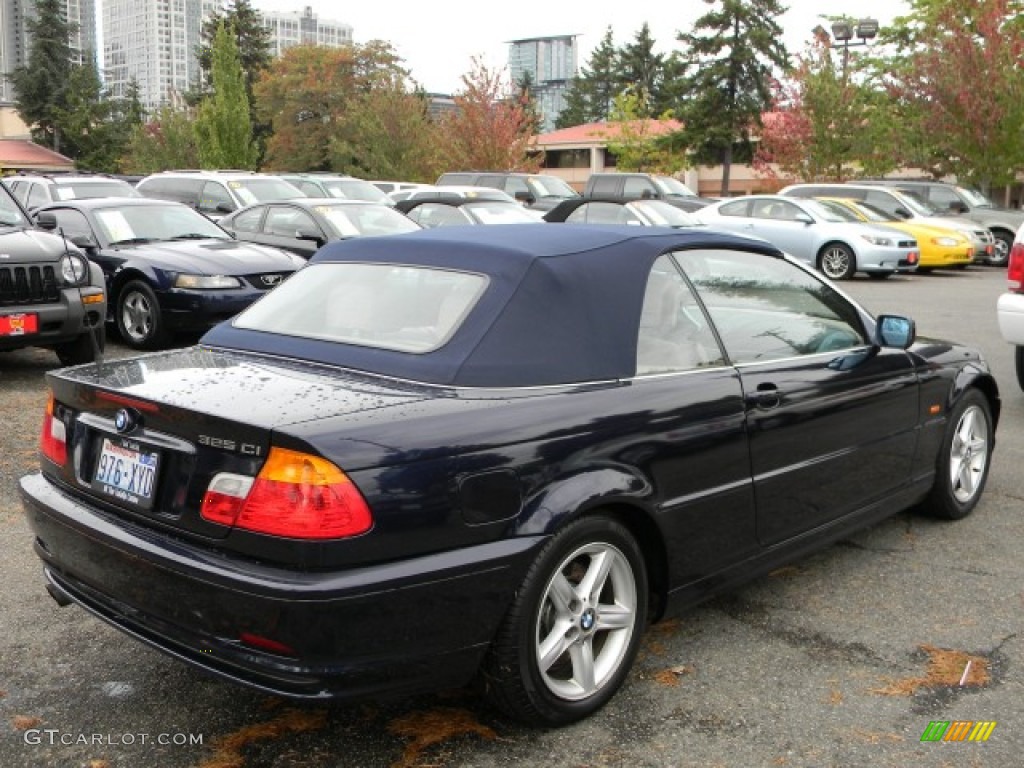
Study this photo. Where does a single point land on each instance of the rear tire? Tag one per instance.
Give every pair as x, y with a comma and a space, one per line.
1001, 254
570, 636
964, 459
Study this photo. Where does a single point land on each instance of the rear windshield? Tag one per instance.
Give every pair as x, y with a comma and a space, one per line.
251, 191
88, 189
404, 308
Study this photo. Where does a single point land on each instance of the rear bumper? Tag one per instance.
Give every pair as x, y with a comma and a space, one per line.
1010, 314
411, 626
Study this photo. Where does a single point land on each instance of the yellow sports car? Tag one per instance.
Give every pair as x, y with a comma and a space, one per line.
939, 247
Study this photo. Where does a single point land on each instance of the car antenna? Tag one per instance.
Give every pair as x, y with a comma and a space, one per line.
97, 352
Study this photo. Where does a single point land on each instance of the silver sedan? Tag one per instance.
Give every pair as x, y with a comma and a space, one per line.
810, 232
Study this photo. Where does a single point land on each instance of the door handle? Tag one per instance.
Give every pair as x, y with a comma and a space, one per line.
766, 396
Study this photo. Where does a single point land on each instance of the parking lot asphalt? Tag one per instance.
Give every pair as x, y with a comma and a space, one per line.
842, 659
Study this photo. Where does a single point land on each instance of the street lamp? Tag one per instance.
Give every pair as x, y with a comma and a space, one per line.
844, 32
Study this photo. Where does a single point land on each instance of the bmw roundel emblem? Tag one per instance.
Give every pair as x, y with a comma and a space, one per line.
125, 420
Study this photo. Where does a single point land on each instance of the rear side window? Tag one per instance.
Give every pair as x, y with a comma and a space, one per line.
386, 306
248, 221
636, 186
605, 185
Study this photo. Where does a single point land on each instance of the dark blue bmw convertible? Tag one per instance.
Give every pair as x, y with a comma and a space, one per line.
491, 454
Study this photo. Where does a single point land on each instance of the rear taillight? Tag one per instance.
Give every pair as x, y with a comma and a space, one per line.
1015, 267
296, 495
53, 442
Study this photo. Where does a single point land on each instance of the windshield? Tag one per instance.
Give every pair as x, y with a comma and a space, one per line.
386, 306
89, 189
10, 214
669, 186
365, 220
841, 209
260, 190
497, 212
820, 211
975, 198
549, 186
663, 214
918, 205
142, 223
354, 189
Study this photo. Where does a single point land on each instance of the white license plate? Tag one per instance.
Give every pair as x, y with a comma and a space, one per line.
127, 473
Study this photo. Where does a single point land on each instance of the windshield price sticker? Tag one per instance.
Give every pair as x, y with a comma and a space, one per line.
126, 472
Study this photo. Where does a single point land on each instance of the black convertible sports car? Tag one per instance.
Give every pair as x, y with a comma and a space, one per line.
167, 267
491, 453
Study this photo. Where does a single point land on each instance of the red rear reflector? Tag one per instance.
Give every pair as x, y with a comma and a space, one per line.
266, 644
1015, 267
296, 495
53, 442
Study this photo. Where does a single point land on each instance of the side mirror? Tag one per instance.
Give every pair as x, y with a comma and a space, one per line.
895, 331
902, 213
84, 241
306, 233
525, 198
225, 208
958, 206
46, 220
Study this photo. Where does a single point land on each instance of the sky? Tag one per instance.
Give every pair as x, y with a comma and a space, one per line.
439, 39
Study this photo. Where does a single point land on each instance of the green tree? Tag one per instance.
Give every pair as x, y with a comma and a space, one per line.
389, 135
311, 96
640, 70
593, 91
95, 129
166, 140
41, 86
251, 37
730, 54
223, 128
635, 140
254, 54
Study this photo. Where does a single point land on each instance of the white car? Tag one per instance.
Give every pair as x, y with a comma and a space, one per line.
1010, 307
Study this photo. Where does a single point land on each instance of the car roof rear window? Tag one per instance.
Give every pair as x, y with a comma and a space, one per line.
406, 308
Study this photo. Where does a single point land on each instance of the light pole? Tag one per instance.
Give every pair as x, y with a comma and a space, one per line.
844, 32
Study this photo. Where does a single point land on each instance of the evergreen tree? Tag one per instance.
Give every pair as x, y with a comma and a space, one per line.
593, 92
254, 54
641, 70
223, 129
730, 53
41, 86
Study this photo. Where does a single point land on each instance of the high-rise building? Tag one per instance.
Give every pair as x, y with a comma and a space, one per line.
551, 64
153, 42
15, 42
306, 28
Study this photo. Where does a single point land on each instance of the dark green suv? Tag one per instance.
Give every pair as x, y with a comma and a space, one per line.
50, 294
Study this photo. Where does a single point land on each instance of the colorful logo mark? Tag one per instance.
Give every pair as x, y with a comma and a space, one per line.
958, 730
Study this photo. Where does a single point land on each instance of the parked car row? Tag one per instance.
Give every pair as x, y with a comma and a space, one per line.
167, 268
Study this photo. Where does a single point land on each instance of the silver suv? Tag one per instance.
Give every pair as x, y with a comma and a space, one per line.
954, 200
217, 193
33, 190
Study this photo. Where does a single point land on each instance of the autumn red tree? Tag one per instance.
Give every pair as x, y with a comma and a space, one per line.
491, 127
959, 85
